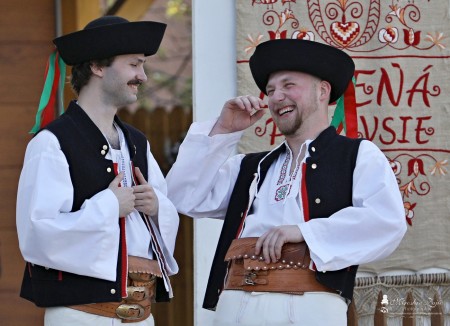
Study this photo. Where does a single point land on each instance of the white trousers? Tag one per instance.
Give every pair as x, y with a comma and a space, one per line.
277, 309
62, 316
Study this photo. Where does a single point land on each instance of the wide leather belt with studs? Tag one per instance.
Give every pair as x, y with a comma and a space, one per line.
291, 274
142, 274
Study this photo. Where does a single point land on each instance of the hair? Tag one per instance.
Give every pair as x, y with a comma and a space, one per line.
81, 73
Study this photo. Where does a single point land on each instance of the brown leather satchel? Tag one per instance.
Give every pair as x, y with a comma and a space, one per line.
142, 269
291, 274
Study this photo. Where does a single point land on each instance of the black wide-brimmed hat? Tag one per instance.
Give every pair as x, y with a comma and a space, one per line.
109, 36
317, 59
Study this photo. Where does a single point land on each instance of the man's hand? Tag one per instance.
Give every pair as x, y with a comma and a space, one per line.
271, 242
124, 195
146, 199
238, 114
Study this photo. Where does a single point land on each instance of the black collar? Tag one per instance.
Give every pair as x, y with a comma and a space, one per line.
92, 134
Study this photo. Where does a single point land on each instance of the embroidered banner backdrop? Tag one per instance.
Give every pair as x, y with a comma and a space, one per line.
401, 51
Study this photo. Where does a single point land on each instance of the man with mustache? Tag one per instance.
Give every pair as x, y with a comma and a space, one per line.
94, 223
298, 220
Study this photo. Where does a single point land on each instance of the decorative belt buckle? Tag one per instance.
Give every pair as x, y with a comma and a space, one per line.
249, 278
137, 293
127, 311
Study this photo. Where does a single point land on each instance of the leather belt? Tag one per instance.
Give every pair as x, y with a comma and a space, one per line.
142, 274
291, 274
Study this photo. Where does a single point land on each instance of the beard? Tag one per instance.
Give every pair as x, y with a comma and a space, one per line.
120, 97
290, 127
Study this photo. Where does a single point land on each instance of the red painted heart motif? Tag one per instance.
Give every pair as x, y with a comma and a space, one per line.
344, 33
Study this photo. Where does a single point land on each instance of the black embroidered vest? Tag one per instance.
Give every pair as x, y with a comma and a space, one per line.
329, 179
85, 148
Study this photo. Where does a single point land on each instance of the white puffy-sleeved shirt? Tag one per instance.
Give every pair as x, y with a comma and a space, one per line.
86, 241
201, 181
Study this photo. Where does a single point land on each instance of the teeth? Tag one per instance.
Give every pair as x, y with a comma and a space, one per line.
285, 110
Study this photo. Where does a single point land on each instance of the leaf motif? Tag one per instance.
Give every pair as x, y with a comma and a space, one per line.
411, 187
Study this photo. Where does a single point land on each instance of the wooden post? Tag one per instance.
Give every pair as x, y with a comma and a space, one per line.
409, 318
352, 315
27, 28
379, 318
437, 314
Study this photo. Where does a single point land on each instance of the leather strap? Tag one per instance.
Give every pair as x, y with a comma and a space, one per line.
128, 312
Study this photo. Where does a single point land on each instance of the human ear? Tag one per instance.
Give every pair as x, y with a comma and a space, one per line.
325, 90
96, 69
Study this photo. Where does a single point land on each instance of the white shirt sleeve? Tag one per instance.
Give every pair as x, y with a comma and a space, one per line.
368, 231
202, 179
83, 242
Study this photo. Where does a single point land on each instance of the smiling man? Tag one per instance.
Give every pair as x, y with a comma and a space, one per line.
298, 220
94, 223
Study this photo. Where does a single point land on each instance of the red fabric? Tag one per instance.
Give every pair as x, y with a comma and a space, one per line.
123, 241
49, 114
351, 121
304, 194
241, 226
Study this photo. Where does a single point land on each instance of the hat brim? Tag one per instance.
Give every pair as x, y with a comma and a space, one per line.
110, 40
317, 59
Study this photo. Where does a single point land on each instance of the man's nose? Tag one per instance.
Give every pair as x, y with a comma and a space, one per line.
142, 76
278, 95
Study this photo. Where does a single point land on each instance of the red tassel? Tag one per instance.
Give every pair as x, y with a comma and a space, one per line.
49, 113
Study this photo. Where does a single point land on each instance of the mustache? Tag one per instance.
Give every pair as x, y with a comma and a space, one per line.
135, 82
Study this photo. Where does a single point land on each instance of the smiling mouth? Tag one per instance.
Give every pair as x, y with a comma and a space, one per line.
134, 84
285, 110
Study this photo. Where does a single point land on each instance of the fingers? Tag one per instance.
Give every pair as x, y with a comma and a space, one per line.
238, 114
140, 176
144, 192
270, 247
249, 103
116, 181
146, 200
124, 195
257, 103
143, 186
264, 247
270, 244
126, 200
245, 103
256, 116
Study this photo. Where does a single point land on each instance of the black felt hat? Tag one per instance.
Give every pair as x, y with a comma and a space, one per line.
109, 36
317, 59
